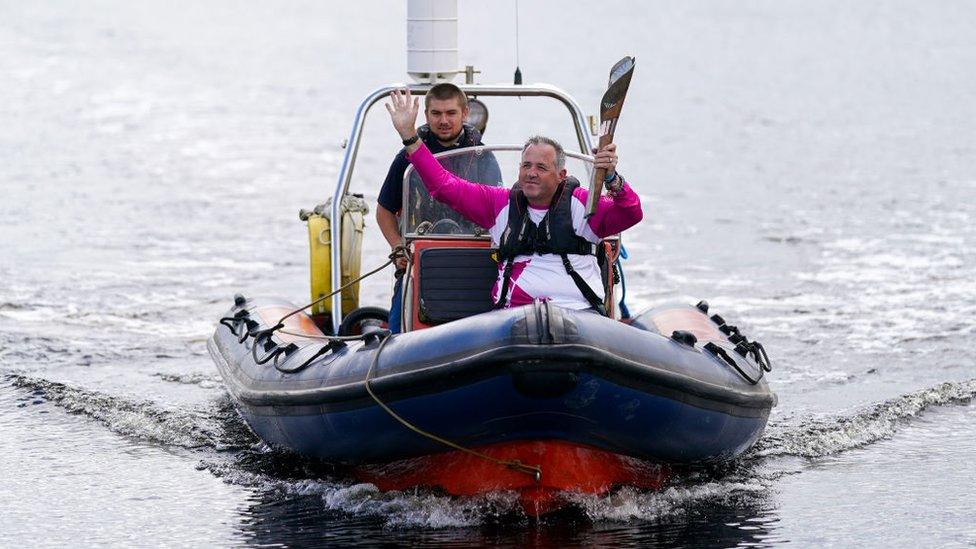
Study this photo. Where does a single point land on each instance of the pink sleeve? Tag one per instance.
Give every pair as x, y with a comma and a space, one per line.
613, 215
478, 203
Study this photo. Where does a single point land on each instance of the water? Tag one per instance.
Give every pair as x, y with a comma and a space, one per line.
806, 167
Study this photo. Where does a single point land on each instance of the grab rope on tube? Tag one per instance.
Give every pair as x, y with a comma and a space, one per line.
398, 252
249, 327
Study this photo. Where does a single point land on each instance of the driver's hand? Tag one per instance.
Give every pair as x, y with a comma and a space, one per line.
399, 261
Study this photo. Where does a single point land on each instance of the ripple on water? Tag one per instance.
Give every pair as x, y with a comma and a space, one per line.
71, 482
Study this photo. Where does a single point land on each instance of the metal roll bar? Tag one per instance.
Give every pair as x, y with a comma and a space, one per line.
352, 149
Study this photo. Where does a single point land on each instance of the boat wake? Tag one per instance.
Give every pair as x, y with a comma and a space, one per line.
422, 508
205, 381
821, 437
410, 509
628, 504
232, 453
215, 427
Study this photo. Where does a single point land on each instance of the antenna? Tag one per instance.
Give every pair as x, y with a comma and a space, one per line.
518, 71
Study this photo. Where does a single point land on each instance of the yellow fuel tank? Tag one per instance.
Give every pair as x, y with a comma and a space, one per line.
353, 210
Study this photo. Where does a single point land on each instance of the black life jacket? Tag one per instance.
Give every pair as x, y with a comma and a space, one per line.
470, 137
555, 234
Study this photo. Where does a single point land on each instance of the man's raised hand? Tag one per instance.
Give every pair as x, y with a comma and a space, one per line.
403, 112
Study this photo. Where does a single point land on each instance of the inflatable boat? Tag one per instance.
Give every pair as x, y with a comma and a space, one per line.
537, 399
468, 399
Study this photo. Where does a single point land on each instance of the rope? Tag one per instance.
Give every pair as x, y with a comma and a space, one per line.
261, 335
322, 337
533, 470
397, 252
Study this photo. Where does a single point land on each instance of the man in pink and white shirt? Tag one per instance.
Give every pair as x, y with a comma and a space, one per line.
542, 195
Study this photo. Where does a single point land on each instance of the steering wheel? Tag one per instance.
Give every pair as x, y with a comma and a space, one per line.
446, 225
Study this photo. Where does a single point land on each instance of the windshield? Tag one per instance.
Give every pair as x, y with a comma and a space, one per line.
495, 166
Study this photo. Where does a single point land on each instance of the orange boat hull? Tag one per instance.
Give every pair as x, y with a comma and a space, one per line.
566, 467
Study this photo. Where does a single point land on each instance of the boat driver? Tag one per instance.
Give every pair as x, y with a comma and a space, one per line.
545, 240
446, 109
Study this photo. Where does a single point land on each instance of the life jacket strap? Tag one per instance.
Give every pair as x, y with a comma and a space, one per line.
509, 266
584, 288
506, 280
